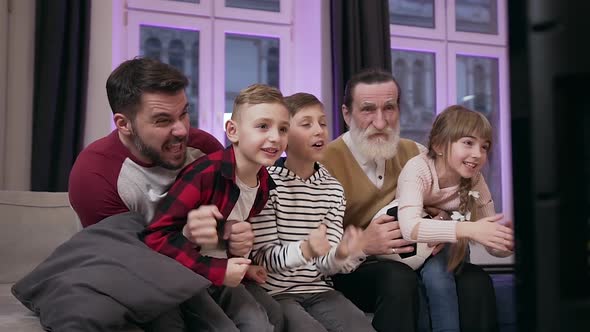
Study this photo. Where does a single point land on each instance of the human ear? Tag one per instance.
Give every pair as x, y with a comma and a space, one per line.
123, 124
231, 131
346, 114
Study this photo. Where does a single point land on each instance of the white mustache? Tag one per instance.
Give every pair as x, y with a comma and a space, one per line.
370, 131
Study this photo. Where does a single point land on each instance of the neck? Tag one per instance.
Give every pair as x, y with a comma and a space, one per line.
445, 179
303, 168
246, 170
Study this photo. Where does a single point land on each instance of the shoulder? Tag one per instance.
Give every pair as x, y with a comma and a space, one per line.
203, 141
419, 166
106, 155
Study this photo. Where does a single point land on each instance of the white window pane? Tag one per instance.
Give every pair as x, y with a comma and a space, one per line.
179, 48
478, 89
415, 73
415, 13
249, 60
478, 16
266, 5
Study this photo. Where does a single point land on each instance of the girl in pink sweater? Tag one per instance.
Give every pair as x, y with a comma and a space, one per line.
448, 179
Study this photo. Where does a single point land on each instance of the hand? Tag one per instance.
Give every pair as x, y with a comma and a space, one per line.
437, 247
352, 243
235, 271
437, 214
317, 243
256, 273
240, 237
383, 236
201, 226
487, 232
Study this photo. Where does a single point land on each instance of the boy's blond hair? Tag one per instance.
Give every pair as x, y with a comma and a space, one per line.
256, 94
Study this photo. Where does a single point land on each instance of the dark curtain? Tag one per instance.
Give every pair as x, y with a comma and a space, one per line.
360, 39
61, 67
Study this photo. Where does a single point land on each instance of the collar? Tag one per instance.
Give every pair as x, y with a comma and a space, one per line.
228, 169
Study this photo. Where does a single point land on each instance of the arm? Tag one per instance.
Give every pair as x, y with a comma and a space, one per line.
333, 262
165, 235
267, 250
412, 184
93, 189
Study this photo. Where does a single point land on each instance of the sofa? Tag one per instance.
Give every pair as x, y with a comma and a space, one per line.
33, 224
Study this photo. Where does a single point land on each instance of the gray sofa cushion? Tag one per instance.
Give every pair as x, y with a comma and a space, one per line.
105, 275
33, 224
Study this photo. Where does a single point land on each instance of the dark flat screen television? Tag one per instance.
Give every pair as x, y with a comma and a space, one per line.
549, 54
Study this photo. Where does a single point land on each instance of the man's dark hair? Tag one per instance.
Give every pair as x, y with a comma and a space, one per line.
368, 76
132, 78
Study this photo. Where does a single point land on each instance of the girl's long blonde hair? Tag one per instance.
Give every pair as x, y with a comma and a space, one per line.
450, 125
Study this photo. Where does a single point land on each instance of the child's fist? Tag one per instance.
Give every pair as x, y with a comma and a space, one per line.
236, 269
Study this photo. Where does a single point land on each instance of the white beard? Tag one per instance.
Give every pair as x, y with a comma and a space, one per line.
377, 148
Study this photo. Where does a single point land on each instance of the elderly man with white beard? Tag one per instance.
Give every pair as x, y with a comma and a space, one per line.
367, 160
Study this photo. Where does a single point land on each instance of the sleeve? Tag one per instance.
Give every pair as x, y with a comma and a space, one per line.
329, 264
92, 188
411, 186
164, 234
203, 141
268, 251
484, 204
485, 208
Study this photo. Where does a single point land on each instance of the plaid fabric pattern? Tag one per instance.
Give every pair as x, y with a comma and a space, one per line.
210, 180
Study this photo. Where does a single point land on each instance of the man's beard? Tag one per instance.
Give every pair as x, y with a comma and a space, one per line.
154, 155
375, 149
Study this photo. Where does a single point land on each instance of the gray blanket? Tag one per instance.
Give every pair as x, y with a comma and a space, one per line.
105, 276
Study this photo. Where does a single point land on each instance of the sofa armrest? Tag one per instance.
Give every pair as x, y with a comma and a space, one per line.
32, 225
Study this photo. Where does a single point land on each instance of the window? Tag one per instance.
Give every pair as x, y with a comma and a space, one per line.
448, 52
221, 46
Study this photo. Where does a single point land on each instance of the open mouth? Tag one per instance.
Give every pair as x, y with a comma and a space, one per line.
270, 150
470, 165
318, 145
175, 148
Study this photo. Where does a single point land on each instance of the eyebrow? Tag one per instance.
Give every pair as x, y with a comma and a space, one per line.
168, 115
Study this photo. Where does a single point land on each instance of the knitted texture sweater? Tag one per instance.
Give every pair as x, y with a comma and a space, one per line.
418, 188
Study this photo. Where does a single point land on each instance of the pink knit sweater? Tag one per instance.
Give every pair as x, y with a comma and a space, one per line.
418, 187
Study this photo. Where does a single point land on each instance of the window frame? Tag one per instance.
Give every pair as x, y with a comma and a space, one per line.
166, 20
438, 32
432, 46
203, 8
284, 16
221, 27
499, 39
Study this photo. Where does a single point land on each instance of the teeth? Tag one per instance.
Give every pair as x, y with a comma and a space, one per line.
472, 165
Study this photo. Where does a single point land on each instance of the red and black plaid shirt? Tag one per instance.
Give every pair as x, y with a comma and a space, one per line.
209, 180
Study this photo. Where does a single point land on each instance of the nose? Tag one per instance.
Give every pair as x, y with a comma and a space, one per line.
179, 129
317, 129
379, 122
477, 152
273, 135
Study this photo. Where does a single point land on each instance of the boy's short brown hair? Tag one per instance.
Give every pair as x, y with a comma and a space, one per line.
301, 100
257, 94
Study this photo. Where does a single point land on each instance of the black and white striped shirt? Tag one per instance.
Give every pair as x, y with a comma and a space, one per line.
296, 207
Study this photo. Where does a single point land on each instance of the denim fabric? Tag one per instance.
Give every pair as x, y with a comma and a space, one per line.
441, 293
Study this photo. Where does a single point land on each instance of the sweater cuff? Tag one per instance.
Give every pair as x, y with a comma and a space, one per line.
437, 231
294, 256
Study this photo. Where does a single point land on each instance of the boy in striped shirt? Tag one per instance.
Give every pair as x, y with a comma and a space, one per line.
299, 236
